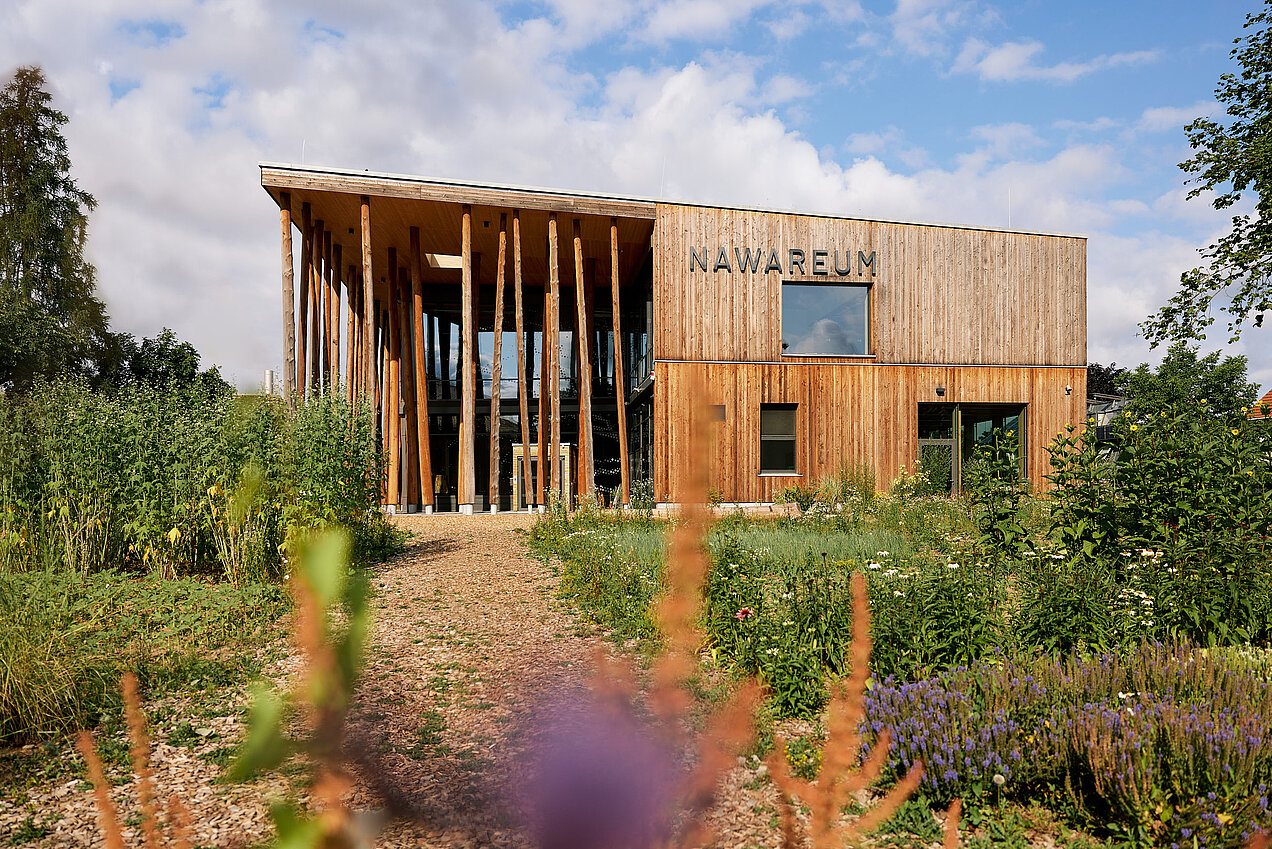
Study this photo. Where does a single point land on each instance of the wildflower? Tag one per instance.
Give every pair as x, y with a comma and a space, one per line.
874, 565
1235, 432
951, 565
744, 613
881, 554
898, 594
999, 779
1134, 428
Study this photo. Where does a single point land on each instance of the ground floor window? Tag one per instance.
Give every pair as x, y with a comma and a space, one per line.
949, 434
777, 439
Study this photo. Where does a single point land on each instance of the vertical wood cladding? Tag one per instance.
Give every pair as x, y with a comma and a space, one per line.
942, 295
847, 412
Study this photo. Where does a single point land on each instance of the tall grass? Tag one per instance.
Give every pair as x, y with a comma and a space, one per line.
175, 482
148, 529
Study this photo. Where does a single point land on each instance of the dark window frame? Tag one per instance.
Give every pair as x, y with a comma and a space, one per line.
780, 438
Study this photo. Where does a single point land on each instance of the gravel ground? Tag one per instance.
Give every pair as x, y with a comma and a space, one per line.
469, 644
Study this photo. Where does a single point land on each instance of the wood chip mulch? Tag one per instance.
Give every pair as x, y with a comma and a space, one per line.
470, 643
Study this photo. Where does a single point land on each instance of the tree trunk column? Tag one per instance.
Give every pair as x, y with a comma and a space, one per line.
467, 482
289, 297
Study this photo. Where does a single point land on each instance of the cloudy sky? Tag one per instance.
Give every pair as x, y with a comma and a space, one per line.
1037, 115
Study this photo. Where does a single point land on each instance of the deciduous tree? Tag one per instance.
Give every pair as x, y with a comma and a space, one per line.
1233, 156
1184, 379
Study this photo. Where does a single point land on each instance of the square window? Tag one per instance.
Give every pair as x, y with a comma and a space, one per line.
777, 438
825, 319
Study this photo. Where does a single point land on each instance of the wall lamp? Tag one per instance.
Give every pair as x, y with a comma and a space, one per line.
1068, 390
940, 392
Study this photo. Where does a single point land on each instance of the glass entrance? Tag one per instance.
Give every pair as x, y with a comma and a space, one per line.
942, 427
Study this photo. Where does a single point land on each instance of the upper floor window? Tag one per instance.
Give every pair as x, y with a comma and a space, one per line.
825, 319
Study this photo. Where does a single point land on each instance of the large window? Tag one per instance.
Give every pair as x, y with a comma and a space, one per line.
777, 439
825, 319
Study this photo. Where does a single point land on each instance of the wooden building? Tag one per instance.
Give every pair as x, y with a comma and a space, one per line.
486, 323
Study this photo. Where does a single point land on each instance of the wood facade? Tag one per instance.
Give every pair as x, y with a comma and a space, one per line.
620, 307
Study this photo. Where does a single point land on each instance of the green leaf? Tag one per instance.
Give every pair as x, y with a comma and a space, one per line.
266, 746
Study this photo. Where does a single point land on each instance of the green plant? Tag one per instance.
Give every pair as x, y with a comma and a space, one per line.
992, 481
805, 496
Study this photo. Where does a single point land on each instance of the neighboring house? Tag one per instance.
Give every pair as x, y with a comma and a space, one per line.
1261, 409
809, 342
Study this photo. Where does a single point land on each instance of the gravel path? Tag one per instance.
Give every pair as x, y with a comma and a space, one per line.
469, 641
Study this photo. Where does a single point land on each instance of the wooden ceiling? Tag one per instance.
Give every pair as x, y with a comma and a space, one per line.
436, 208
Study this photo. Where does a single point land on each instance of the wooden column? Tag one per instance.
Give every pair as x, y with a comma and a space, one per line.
423, 444
522, 376
368, 303
543, 485
315, 307
619, 391
337, 258
351, 334
393, 393
306, 273
496, 365
587, 468
467, 431
327, 283
406, 350
554, 362
289, 296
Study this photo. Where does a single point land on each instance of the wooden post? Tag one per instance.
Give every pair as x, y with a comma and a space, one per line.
554, 278
620, 392
587, 467
522, 376
351, 334
393, 393
496, 365
406, 351
315, 308
289, 297
306, 272
420, 435
368, 303
467, 482
543, 484
337, 257
328, 281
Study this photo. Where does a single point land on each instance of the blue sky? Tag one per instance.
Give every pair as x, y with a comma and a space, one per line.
1049, 116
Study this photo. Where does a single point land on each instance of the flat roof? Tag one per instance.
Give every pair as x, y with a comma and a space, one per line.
288, 175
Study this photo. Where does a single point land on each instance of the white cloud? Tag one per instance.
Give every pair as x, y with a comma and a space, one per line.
185, 237
1004, 140
1162, 118
697, 20
923, 27
1013, 61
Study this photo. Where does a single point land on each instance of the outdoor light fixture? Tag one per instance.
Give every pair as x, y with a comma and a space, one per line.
1068, 390
940, 392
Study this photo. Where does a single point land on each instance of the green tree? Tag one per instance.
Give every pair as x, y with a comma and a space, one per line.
1184, 379
1103, 380
161, 362
1233, 156
50, 316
